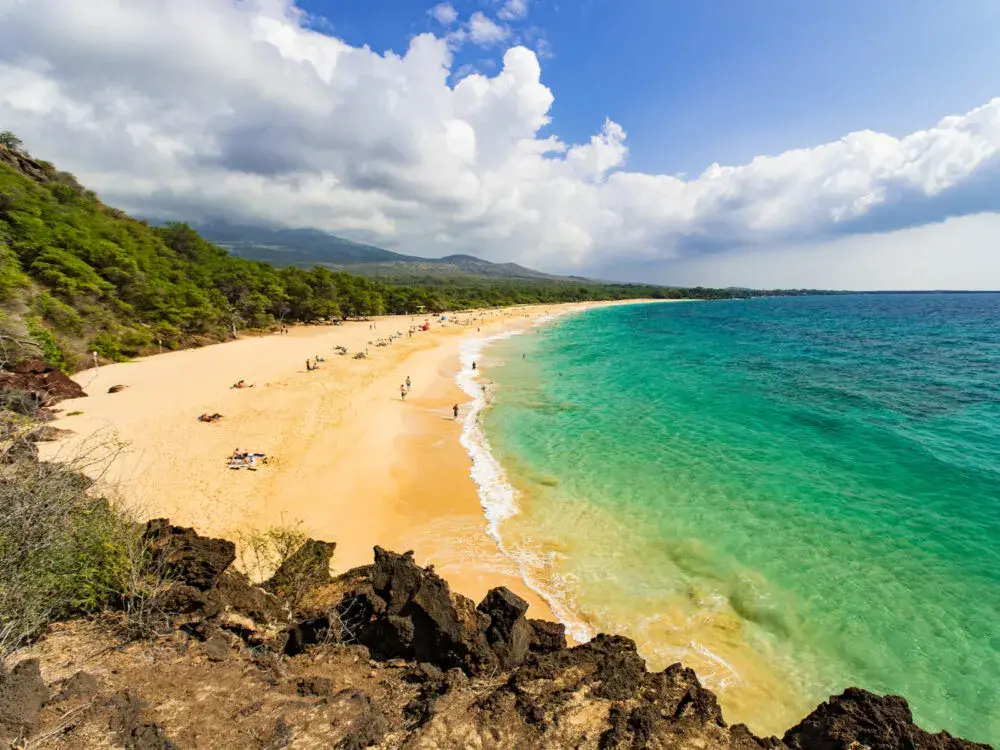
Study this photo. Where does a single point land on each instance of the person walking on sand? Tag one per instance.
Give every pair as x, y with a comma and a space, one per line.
402, 393
454, 410
408, 383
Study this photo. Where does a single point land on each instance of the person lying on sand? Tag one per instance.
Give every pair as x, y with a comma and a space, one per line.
246, 460
242, 384
206, 417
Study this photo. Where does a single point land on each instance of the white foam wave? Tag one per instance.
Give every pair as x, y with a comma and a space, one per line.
497, 495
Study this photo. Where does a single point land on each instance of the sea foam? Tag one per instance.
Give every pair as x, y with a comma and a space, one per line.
498, 497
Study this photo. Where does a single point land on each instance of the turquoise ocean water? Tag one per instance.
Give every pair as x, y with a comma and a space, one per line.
791, 495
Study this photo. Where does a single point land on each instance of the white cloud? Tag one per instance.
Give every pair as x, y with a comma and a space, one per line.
544, 49
203, 108
486, 32
959, 253
445, 13
513, 10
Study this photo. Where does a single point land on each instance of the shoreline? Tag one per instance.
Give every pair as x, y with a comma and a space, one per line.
349, 462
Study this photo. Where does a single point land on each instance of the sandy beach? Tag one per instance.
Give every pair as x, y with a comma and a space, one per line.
348, 460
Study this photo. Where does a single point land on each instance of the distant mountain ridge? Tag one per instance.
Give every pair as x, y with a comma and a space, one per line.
306, 248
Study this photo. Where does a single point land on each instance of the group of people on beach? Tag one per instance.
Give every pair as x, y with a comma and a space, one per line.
246, 460
313, 364
405, 388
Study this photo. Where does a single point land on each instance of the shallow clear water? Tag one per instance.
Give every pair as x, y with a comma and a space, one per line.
792, 495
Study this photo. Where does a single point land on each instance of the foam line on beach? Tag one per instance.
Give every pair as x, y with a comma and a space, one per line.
498, 497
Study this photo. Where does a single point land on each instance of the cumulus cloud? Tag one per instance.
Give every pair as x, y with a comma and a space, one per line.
445, 13
200, 109
513, 10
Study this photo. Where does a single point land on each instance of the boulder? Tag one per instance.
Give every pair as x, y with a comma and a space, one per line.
546, 636
42, 382
22, 695
217, 647
508, 633
423, 620
857, 718
193, 560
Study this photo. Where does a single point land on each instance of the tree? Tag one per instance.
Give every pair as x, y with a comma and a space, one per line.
10, 141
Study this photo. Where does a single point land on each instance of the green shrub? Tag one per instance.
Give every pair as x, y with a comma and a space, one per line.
62, 551
52, 352
11, 275
58, 314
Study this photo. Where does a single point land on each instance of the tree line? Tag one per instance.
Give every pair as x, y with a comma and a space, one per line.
80, 276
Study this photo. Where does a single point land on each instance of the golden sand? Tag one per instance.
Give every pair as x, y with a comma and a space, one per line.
349, 461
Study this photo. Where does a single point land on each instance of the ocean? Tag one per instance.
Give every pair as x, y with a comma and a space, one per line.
790, 495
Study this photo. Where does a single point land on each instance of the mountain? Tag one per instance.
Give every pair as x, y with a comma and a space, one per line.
78, 276
306, 248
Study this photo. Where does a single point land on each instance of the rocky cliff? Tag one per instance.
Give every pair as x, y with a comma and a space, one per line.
385, 655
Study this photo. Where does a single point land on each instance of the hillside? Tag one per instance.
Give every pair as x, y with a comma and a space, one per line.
78, 276
308, 247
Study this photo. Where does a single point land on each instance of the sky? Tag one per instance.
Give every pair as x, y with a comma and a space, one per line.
840, 144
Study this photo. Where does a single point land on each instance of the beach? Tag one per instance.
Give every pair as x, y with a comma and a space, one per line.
348, 460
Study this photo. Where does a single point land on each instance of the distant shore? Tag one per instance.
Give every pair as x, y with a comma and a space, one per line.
348, 460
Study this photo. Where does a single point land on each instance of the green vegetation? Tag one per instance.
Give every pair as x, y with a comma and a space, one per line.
62, 551
77, 276
10, 141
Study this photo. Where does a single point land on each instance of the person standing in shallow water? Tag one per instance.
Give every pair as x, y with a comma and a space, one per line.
454, 410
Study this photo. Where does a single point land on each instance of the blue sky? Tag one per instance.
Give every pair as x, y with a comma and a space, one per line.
849, 144
701, 81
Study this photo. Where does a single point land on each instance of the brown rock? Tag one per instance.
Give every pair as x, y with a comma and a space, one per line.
195, 560
508, 633
217, 647
22, 695
45, 384
857, 718
423, 620
547, 636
